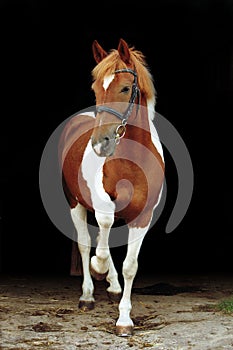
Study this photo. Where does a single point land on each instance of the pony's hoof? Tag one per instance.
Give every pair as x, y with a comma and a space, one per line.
86, 305
98, 276
124, 331
115, 297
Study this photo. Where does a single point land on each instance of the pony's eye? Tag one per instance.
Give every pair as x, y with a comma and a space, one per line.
125, 89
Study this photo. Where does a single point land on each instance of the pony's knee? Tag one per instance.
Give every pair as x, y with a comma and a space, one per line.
130, 267
102, 253
104, 220
84, 248
78, 213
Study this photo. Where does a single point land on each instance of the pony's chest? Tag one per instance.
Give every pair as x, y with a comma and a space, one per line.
111, 181
120, 182
122, 175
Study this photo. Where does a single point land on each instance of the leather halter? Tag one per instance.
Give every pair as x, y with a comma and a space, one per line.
135, 93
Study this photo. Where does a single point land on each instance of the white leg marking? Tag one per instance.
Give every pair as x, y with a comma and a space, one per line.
79, 217
100, 262
112, 278
130, 267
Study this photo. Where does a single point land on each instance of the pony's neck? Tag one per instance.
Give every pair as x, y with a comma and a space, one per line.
142, 119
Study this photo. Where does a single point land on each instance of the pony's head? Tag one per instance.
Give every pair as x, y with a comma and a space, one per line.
121, 83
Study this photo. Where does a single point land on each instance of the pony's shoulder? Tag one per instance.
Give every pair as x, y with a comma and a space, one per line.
76, 127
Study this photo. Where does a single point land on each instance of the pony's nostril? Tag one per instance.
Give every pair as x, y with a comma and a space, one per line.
106, 141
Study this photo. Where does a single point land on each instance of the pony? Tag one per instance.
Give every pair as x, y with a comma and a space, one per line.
113, 166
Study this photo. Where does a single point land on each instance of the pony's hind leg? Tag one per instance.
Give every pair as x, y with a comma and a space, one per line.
79, 217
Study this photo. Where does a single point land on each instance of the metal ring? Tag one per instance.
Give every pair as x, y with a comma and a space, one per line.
121, 134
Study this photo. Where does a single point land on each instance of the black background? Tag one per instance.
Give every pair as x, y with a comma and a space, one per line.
46, 63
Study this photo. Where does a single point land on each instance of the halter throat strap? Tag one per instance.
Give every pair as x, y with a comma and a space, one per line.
135, 93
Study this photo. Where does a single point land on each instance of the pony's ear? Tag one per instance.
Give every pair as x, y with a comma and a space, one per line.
98, 52
123, 50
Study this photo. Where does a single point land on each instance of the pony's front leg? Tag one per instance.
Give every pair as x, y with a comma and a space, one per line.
100, 262
124, 324
79, 217
114, 290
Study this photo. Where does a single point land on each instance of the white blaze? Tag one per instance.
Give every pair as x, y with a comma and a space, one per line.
107, 81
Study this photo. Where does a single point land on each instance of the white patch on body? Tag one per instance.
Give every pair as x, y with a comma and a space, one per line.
107, 81
154, 135
92, 171
155, 138
89, 114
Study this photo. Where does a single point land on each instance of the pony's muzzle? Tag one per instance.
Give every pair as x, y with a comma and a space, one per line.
104, 143
104, 147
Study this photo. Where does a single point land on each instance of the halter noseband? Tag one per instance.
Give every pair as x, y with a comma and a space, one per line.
135, 93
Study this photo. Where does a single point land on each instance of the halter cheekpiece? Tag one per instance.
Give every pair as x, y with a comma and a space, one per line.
135, 93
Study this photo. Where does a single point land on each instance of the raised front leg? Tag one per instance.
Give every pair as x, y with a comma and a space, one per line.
100, 262
114, 290
124, 324
79, 217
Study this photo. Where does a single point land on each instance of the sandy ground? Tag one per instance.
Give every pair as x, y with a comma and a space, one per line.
42, 313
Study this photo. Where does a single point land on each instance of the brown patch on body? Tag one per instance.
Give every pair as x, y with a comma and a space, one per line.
73, 142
